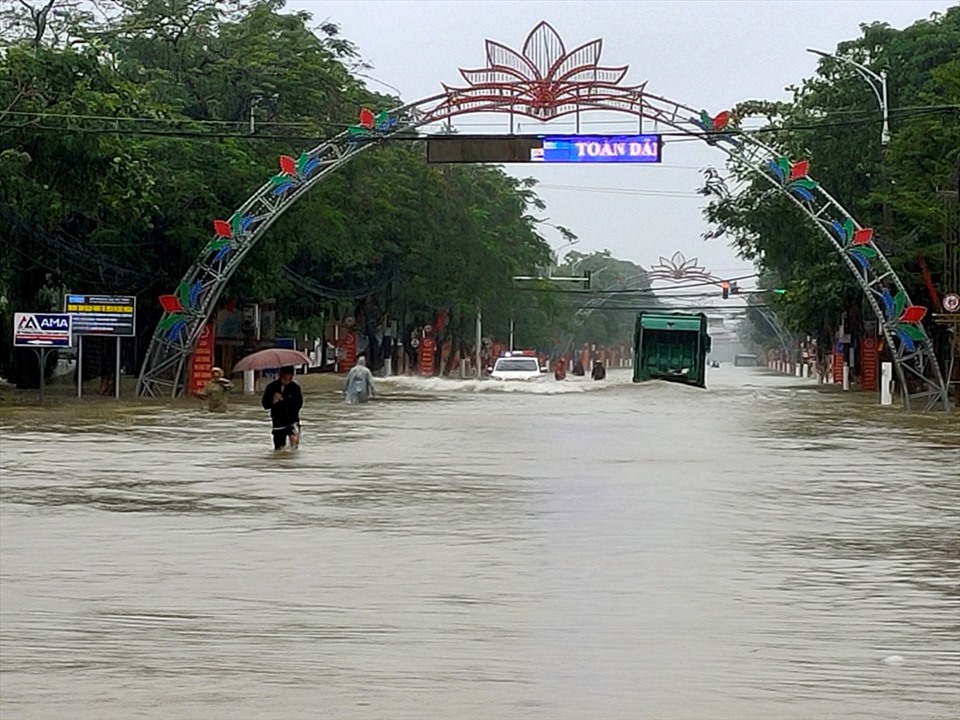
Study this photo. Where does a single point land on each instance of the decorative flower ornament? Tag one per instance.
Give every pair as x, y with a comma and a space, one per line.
371, 124
227, 232
178, 307
794, 177
856, 242
904, 319
678, 268
292, 172
543, 80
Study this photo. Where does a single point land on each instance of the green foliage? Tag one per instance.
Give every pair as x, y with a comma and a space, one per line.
607, 314
123, 136
834, 122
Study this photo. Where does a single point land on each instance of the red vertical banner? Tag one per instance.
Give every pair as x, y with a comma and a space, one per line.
428, 350
868, 364
838, 364
349, 345
201, 362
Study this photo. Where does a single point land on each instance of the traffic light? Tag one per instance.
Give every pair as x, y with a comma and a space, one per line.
586, 279
725, 287
734, 288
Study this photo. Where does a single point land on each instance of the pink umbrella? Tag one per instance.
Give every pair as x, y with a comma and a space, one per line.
271, 358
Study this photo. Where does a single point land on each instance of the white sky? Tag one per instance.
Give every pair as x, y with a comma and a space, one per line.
704, 53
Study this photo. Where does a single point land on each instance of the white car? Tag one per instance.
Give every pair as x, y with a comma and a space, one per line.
516, 367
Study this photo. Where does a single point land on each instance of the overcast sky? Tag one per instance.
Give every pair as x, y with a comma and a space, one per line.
706, 54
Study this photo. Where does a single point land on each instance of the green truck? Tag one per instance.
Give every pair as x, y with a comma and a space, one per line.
671, 346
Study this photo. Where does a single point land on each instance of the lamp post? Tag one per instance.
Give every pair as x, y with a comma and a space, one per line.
877, 83
566, 234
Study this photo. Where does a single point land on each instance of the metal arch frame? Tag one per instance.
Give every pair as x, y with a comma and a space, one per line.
508, 90
679, 268
787, 340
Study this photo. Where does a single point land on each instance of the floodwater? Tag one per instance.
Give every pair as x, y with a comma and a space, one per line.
458, 549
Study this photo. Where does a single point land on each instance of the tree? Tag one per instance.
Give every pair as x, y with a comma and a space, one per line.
833, 121
119, 153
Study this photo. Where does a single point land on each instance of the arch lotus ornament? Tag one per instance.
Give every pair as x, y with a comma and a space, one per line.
543, 80
679, 268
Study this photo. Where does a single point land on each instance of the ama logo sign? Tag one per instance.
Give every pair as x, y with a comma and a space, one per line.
45, 323
41, 329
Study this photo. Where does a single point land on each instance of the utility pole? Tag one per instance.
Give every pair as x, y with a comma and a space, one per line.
877, 83
254, 101
479, 339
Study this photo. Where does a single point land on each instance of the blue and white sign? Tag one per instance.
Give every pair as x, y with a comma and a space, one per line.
40, 330
598, 149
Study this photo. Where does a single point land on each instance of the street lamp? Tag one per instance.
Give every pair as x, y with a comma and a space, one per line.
877, 83
556, 254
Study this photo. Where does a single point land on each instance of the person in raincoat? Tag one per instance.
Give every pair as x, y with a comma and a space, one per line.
215, 391
358, 386
560, 369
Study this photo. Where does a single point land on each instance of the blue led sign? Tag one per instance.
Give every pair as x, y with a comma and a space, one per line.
598, 149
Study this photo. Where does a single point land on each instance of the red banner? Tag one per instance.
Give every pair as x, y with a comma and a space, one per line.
201, 363
838, 366
349, 345
868, 364
428, 350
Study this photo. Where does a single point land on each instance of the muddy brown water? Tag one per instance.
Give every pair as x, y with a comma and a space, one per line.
456, 549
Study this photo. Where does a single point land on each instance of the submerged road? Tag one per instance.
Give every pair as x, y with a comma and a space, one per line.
458, 549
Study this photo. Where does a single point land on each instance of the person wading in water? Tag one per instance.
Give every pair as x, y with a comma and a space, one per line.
215, 391
283, 398
358, 386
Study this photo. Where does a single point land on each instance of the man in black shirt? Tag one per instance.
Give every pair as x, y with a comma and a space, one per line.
284, 399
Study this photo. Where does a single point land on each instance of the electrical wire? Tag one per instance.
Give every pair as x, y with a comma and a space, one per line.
561, 291
622, 191
678, 136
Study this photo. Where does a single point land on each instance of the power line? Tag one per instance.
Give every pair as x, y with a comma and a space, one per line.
678, 136
622, 191
628, 290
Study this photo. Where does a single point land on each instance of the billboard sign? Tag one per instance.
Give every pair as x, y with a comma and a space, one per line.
41, 330
598, 149
105, 315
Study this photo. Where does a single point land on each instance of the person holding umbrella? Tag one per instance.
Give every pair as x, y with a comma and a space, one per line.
283, 398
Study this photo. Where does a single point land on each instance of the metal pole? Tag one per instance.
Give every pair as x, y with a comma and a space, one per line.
877, 83
885, 130
479, 338
42, 356
886, 383
79, 365
116, 389
511, 334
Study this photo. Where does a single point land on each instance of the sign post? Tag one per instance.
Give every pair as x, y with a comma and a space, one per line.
103, 315
40, 332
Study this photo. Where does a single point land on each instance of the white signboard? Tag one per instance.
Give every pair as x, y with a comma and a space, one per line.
42, 330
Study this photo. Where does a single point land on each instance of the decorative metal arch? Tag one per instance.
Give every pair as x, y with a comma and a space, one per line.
678, 268
788, 341
542, 81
